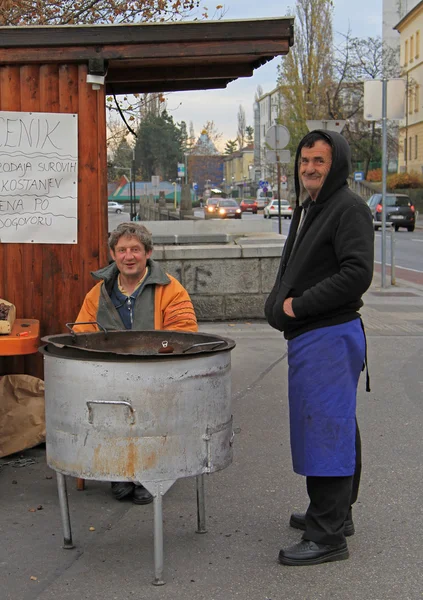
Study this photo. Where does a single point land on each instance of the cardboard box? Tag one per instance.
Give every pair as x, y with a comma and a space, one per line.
7, 324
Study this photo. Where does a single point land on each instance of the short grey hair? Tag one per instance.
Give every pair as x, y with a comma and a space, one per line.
129, 230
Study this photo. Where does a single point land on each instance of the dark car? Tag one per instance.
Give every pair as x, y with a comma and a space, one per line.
400, 211
227, 208
249, 204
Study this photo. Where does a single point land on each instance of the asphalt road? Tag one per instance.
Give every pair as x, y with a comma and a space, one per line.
408, 246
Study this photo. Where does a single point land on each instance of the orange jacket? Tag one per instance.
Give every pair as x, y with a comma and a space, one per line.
173, 308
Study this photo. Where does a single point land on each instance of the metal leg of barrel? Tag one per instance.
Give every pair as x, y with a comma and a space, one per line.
158, 489
201, 505
64, 511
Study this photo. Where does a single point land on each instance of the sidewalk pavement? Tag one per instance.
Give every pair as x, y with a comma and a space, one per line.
249, 503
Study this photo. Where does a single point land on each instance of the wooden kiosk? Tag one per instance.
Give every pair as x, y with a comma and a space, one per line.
48, 70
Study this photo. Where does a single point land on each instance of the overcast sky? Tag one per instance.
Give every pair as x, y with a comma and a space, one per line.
362, 17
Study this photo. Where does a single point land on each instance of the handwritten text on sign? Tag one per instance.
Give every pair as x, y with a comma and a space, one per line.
38, 177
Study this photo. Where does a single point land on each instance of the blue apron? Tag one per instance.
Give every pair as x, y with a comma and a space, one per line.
324, 369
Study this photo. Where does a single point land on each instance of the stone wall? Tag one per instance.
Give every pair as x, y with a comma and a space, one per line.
225, 282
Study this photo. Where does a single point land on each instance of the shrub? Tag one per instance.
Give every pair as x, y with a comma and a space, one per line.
374, 175
404, 181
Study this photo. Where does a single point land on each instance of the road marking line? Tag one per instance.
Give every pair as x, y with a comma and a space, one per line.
399, 267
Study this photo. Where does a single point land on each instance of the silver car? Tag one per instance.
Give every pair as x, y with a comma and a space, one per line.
115, 207
271, 210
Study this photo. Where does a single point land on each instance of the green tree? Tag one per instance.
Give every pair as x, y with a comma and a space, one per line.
121, 162
249, 130
231, 147
158, 148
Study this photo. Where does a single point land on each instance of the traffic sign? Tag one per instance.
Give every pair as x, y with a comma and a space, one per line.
359, 176
277, 137
181, 169
284, 178
326, 125
284, 156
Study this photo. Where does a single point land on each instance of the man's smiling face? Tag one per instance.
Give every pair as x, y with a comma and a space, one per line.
314, 167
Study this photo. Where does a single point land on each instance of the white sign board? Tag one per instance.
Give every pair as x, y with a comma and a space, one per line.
395, 99
38, 178
326, 125
277, 137
284, 156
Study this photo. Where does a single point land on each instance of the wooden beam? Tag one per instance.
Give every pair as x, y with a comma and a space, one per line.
142, 87
101, 35
185, 73
199, 50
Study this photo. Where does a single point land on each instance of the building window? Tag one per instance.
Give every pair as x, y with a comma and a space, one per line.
410, 150
412, 48
415, 147
417, 44
417, 98
410, 100
405, 150
406, 53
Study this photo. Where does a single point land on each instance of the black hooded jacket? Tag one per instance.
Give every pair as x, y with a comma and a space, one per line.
330, 265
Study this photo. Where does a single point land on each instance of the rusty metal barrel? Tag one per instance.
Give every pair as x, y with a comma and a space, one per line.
149, 407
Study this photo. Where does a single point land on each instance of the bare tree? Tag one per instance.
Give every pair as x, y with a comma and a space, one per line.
68, 12
357, 60
242, 124
306, 72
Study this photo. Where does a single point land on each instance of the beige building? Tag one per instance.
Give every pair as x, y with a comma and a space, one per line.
410, 155
239, 172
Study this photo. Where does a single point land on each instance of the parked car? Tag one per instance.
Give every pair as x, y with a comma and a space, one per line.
400, 211
210, 207
271, 210
115, 207
228, 208
263, 198
248, 204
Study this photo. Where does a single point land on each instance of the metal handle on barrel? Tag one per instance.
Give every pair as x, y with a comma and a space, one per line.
112, 403
70, 327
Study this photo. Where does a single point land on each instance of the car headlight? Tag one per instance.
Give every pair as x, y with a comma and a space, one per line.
210, 208
222, 211
238, 210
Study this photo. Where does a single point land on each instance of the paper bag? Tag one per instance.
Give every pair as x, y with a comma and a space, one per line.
22, 418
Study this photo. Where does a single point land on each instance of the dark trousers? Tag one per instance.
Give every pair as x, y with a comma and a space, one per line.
331, 499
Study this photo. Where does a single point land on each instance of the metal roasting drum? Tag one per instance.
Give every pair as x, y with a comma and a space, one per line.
144, 406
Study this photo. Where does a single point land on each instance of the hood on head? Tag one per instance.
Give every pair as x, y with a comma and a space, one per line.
339, 170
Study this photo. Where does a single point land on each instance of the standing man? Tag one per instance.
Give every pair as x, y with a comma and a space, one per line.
135, 293
326, 266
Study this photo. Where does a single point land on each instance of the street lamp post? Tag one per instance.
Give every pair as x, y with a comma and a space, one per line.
174, 194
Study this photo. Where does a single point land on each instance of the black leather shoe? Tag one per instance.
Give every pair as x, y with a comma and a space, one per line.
307, 552
297, 521
141, 495
122, 489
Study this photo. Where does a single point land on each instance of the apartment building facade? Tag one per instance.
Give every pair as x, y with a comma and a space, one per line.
410, 28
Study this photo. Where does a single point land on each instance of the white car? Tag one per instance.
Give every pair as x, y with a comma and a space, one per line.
271, 210
115, 207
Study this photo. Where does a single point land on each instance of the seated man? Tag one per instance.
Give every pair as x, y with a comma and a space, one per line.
135, 293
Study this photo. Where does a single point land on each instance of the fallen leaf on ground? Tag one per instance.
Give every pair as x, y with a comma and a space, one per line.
32, 510
33, 578
92, 528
